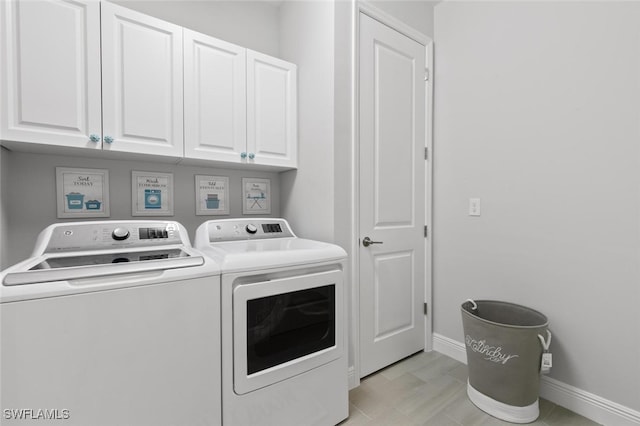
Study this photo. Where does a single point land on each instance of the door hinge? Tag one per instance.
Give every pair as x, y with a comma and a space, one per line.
426, 231
426, 74
426, 308
426, 153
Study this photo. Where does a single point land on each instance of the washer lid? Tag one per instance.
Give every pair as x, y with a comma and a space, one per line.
254, 255
78, 265
90, 249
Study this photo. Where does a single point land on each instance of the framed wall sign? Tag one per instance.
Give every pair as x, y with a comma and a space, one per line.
212, 195
151, 194
256, 196
82, 193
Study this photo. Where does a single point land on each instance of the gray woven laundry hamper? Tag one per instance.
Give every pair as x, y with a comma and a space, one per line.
504, 344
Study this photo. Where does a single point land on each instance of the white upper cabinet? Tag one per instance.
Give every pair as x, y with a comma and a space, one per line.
240, 105
271, 110
51, 72
214, 99
141, 83
96, 75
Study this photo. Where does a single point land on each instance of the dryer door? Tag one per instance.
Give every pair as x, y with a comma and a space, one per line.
284, 327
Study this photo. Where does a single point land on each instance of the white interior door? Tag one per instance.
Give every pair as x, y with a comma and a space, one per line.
392, 195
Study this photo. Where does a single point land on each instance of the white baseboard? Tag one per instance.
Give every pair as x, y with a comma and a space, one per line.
449, 347
592, 406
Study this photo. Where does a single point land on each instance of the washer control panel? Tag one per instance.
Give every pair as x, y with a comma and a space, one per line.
247, 229
105, 235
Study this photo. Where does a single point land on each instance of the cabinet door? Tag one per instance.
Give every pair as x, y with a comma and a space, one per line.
141, 83
271, 110
50, 72
214, 98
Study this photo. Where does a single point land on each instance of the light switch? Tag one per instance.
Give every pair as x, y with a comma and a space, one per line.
474, 206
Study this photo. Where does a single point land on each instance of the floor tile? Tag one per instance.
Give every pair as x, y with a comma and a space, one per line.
431, 389
398, 387
545, 407
431, 399
391, 418
436, 368
409, 364
440, 419
356, 417
460, 373
462, 410
368, 401
560, 416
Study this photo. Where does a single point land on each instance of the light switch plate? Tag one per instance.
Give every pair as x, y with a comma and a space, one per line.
474, 206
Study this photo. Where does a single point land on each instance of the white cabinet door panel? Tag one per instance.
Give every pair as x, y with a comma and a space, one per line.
271, 110
51, 72
215, 98
142, 83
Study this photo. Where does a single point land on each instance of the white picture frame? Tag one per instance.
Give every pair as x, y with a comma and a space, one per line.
212, 195
256, 196
151, 193
82, 193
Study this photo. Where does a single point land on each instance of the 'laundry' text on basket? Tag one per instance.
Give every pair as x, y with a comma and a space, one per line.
492, 353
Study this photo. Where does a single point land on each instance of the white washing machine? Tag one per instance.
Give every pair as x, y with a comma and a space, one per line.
111, 323
284, 357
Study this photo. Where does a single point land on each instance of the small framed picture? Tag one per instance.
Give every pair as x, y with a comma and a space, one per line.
82, 193
151, 194
212, 195
256, 196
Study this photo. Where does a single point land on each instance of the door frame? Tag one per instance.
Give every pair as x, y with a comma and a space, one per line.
360, 7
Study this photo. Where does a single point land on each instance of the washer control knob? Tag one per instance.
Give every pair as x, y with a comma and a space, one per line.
120, 234
251, 228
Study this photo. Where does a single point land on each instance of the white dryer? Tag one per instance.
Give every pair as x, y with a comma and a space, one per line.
111, 323
284, 357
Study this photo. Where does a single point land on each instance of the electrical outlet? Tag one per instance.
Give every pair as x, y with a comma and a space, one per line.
474, 206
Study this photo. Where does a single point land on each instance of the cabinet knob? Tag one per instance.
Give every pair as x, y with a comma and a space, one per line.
251, 156
108, 139
94, 138
243, 155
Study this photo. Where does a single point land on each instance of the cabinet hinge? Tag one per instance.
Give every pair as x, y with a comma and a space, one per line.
426, 153
426, 231
426, 74
426, 309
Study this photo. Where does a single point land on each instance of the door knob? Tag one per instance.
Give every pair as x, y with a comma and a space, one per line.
367, 242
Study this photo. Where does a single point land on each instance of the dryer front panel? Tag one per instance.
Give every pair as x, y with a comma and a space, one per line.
284, 327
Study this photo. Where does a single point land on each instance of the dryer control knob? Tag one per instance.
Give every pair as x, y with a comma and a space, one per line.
251, 228
120, 234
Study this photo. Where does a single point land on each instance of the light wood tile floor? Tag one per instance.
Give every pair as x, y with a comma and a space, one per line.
430, 389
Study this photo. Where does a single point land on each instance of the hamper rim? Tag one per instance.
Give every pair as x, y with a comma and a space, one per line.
545, 324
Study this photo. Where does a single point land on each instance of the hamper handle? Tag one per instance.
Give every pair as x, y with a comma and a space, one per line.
474, 307
545, 343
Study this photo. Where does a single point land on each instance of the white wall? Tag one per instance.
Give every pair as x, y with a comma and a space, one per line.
416, 14
252, 24
30, 198
537, 113
306, 39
